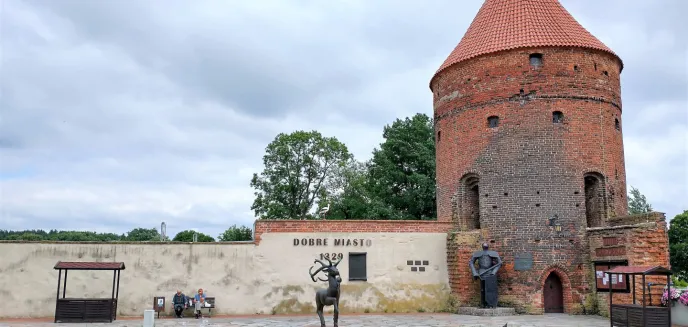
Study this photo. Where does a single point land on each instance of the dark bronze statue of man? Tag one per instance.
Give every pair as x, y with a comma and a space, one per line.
488, 264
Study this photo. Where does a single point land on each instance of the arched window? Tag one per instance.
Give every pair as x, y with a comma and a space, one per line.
557, 117
470, 201
595, 205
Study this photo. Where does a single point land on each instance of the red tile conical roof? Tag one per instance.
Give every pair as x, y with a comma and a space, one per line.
509, 24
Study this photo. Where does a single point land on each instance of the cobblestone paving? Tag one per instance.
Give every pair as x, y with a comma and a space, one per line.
368, 320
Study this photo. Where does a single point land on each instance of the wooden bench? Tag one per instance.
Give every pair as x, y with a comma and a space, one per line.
210, 300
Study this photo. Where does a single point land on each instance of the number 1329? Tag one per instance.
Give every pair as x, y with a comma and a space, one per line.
331, 256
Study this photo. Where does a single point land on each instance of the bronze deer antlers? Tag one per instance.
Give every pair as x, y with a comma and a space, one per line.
313, 273
323, 267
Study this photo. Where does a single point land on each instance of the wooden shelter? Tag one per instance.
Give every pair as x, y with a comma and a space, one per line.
83, 309
638, 315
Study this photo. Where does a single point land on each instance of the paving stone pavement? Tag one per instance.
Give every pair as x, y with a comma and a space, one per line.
368, 320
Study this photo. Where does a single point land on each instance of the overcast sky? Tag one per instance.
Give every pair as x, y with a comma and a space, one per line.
121, 114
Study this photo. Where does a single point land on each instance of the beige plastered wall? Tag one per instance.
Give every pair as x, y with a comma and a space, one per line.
270, 278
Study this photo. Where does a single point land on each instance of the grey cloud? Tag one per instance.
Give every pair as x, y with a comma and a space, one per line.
255, 74
128, 113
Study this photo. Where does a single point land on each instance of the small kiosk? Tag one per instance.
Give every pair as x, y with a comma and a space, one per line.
82, 309
638, 315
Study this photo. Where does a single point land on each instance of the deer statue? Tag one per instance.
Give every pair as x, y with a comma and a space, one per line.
330, 295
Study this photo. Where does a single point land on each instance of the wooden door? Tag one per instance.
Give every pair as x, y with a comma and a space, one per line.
554, 294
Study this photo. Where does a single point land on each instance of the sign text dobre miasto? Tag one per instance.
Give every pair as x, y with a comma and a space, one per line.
310, 241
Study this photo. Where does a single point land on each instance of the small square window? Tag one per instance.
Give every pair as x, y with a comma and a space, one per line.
426, 262
357, 266
409, 262
492, 121
414, 268
557, 117
421, 268
536, 59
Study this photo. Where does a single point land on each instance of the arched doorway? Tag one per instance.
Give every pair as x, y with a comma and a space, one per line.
553, 294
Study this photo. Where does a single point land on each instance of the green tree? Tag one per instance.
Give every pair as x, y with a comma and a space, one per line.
347, 192
76, 236
401, 174
637, 203
142, 235
187, 236
297, 166
55, 235
234, 234
678, 245
27, 236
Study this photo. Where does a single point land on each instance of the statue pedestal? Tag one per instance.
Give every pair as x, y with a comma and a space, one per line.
486, 312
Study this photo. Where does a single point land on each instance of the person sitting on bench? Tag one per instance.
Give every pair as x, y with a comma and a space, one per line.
199, 302
179, 302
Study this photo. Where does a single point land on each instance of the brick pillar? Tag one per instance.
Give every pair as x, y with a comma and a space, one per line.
460, 248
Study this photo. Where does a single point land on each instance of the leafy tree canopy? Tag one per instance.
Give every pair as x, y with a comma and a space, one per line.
297, 166
637, 203
679, 260
348, 193
402, 172
143, 234
55, 235
678, 245
678, 228
234, 234
26, 237
187, 236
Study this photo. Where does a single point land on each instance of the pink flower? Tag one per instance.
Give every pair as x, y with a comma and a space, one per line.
684, 298
674, 296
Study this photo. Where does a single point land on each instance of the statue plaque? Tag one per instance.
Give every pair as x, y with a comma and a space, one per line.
523, 261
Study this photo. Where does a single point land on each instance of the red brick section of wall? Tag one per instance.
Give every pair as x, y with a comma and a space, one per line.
530, 168
348, 226
460, 248
642, 240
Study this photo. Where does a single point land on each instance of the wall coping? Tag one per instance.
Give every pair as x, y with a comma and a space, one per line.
130, 242
600, 229
334, 221
653, 216
347, 226
261, 227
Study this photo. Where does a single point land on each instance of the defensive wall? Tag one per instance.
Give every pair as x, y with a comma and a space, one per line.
400, 265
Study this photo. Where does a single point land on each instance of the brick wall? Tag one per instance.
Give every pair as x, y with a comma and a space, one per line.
529, 168
352, 226
641, 240
527, 152
460, 248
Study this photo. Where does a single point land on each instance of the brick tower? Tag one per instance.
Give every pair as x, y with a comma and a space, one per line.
529, 146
